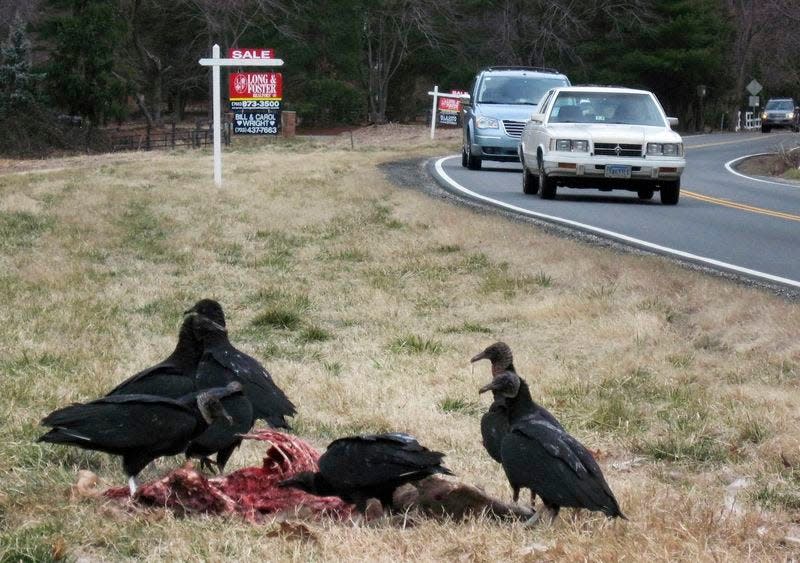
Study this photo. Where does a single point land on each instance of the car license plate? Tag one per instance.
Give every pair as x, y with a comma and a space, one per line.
618, 171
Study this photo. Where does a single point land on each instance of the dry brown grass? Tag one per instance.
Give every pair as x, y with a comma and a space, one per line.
366, 303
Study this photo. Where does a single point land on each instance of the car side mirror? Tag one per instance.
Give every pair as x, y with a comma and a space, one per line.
465, 99
538, 117
673, 121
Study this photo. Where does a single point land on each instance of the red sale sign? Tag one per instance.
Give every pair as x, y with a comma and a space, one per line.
450, 105
251, 53
255, 86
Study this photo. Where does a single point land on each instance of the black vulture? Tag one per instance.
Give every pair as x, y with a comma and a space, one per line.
140, 428
542, 456
359, 468
173, 377
221, 363
494, 426
222, 437
495, 423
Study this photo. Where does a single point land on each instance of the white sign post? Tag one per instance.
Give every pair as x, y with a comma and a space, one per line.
436, 95
215, 62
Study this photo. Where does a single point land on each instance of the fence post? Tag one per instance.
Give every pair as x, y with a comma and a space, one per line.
147, 139
173, 135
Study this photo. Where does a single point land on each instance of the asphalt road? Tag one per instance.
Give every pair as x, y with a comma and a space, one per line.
746, 226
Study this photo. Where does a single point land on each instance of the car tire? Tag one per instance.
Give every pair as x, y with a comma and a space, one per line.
670, 192
796, 128
765, 128
530, 183
473, 162
645, 193
547, 186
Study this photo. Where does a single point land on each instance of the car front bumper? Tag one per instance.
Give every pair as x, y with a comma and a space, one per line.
496, 146
574, 169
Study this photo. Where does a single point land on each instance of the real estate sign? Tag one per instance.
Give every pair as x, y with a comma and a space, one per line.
255, 97
449, 109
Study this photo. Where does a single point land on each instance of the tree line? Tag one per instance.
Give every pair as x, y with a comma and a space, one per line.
359, 61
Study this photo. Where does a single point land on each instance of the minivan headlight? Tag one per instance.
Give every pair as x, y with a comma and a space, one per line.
484, 122
790, 115
763, 115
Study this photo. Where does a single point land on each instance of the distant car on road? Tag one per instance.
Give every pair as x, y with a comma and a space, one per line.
780, 112
605, 138
501, 100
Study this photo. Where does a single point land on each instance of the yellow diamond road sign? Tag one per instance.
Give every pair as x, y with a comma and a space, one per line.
754, 87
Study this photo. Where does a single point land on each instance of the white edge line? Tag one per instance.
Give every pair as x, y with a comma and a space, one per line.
729, 168
611, 234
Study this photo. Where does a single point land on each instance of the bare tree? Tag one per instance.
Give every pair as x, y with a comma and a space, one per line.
765, 36
393, 30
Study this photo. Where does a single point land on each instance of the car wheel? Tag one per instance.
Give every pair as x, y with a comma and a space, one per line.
670, 192
645, 193
547, 186
530, 183
796, 128
464, 157
765, 128
473, 162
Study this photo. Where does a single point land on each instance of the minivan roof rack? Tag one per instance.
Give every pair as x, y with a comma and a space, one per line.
533, 68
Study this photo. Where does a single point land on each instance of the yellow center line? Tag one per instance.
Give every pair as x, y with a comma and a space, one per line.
720, 143
742, 206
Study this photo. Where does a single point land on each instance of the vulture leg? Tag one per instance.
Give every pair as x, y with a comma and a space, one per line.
515, 493
552, 511
206, 464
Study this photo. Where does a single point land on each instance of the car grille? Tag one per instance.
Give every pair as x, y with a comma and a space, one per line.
610, 149
513, 128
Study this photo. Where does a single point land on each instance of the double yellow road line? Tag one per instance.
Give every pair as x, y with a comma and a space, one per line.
741, 206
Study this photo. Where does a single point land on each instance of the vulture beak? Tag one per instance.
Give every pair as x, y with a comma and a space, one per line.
481, 356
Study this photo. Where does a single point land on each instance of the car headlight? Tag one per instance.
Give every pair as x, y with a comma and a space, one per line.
790, 115
569, 145
764, 115
484, 122
665, 149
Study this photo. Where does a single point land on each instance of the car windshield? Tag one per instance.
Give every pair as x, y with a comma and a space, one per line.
606, 107
516, 89
780, 105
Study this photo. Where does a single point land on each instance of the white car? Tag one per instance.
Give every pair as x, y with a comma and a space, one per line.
604, 138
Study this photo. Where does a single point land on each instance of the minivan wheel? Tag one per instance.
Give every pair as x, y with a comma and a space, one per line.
473, 162
765, 128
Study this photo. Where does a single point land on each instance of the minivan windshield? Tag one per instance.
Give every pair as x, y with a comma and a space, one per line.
779, 105
516, 89
606, 107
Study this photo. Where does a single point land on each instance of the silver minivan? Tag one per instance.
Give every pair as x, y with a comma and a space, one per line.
501, 101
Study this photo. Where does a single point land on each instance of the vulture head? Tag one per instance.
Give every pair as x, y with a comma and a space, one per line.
500, 355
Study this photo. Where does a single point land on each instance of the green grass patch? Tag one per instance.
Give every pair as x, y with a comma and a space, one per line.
461, 406
414, 344
468, 327
20, 229
146, 233
314, 334
277, 317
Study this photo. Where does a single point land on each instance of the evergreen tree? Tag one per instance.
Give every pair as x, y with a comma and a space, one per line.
80, 74
17, 81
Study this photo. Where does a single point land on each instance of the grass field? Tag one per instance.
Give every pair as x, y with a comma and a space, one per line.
366, 302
